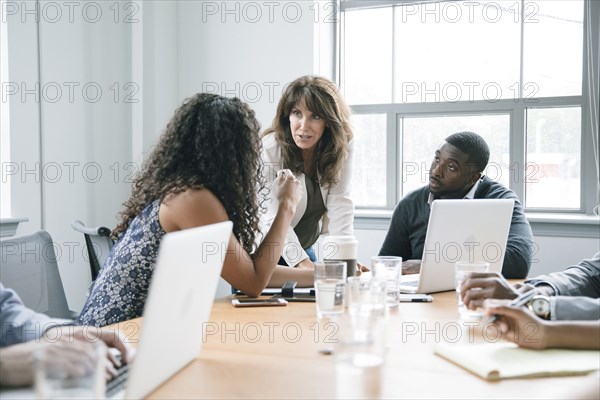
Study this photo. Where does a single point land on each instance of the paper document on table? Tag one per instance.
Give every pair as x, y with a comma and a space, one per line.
502, 360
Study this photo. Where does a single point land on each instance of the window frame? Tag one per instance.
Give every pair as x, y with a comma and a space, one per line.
516, 108
5, 188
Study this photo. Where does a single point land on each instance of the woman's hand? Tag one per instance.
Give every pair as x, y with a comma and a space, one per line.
287, 189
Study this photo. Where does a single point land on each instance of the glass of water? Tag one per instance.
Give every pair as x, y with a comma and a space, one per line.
73, 371
330, 286
359, 360
462, 270
388, 269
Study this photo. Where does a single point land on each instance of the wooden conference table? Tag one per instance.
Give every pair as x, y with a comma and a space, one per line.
274, 352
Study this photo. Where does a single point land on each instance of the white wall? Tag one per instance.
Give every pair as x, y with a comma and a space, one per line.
154, 51
251, 52
157, 53
72, 139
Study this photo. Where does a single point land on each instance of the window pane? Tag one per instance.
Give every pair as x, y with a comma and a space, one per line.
456, 51
553, 48
367, 56
552, 176
422, 136
369, 176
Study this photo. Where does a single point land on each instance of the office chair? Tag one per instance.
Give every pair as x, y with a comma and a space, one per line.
29, 267
98, 243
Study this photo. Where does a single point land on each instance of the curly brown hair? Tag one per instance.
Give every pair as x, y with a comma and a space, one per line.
321, 97
211, 142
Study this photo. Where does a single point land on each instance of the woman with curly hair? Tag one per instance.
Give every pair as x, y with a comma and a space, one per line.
205, 169
311, 136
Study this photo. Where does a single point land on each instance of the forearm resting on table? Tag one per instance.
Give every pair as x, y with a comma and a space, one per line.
573, 335
281, 274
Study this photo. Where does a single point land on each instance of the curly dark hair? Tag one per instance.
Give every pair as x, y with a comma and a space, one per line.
211, 142
322, 97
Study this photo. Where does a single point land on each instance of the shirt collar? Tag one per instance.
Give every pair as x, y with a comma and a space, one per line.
470, 194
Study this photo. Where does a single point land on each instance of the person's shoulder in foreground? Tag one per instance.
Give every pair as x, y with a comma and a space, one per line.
24, 332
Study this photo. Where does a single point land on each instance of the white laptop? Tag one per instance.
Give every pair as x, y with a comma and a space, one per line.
179, 301
460, 230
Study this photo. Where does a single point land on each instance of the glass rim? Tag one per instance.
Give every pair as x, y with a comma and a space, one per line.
386, 258
329, 262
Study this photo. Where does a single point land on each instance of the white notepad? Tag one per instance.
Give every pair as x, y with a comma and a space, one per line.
503, 360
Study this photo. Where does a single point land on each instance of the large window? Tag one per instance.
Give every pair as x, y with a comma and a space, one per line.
513, 71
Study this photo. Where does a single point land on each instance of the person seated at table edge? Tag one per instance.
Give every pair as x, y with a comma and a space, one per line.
23, 331
572, 294
456, 173
515, 325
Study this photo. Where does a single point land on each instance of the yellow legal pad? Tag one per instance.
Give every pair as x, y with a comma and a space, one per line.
502, 360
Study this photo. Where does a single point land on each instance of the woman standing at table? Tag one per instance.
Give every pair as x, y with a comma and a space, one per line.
205, 169
311, 136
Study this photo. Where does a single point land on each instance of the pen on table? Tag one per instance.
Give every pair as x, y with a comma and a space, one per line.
415, 300
408, 298
518, 302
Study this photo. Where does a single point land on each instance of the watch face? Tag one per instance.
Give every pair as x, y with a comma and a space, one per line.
540, 306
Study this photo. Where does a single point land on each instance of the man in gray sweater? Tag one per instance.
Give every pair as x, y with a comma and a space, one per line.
456, 173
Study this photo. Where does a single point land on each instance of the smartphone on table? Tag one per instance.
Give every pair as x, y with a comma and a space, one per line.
270, 302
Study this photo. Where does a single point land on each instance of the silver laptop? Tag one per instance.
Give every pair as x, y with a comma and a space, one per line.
179, 301
460, 230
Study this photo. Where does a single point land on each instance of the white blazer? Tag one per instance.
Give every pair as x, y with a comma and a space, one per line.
337, 220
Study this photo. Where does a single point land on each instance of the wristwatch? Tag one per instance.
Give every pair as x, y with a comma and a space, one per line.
540, 305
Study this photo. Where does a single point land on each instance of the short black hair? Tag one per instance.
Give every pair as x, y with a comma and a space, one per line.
473, 145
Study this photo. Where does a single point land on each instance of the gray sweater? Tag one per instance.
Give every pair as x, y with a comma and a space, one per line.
406, 236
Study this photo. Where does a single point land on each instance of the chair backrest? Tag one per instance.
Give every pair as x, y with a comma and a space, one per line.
28, 266
98, 243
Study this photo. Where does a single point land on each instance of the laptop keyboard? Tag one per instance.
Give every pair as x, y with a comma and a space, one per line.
410, 283
118, 382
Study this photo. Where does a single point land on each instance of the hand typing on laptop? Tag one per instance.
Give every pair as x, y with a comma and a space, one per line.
66, 339
24, 331
410, 267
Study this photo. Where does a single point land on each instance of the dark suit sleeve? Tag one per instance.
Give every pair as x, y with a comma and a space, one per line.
517, 259
20, 324
396, 241
582, 279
